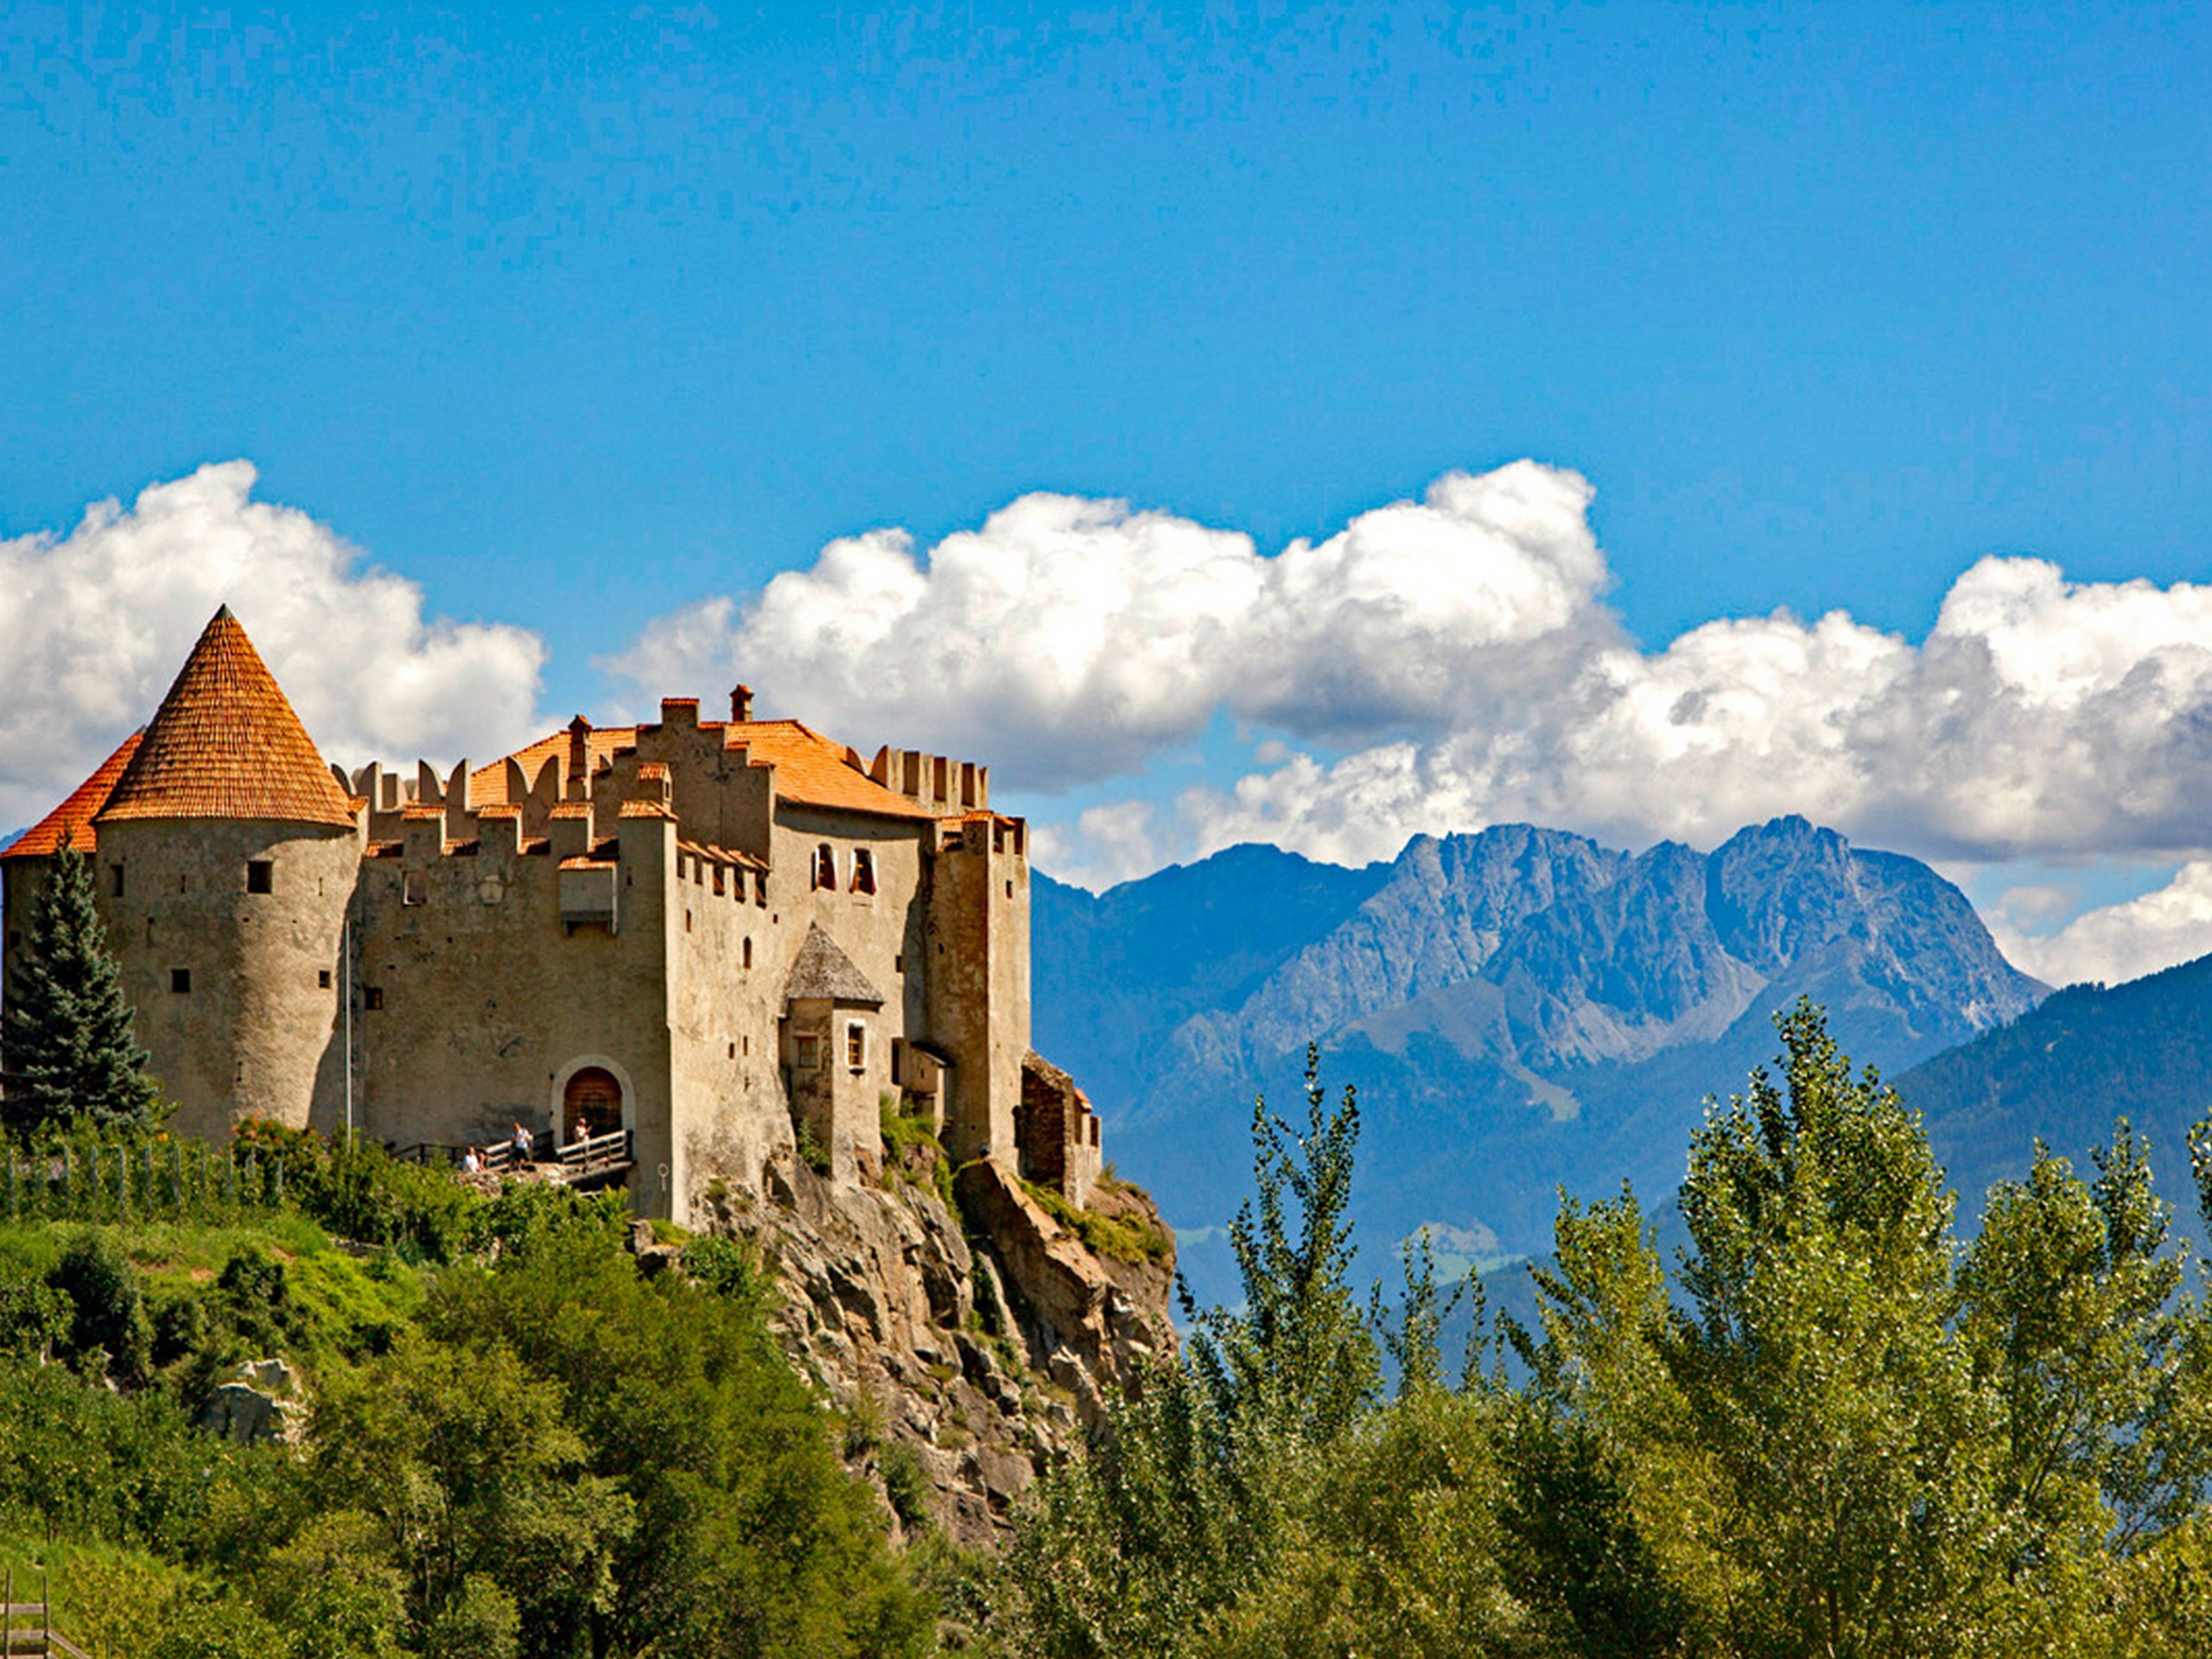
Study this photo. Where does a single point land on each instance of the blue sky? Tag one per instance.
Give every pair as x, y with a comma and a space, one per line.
575, 320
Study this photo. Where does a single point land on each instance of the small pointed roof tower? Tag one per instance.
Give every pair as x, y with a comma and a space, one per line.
824, 971
225, 744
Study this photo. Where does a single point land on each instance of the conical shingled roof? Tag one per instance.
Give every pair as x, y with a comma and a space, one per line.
225, 744
824, 970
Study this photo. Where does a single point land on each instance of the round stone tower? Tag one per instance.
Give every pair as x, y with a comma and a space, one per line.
227, 855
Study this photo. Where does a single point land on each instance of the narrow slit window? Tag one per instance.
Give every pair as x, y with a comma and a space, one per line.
115, 880
856, 1045
749, 953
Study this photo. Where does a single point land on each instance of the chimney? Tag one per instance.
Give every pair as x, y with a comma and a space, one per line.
741, 705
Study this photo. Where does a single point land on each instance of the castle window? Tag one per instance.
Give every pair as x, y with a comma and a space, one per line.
413, 887
115, 880
373, 997
733, 1051
260, 875
749, 953
719, 881
322, 979
179, 981
856, 1045
761, 888
825, 867
686, 921
898, 962
1009, 889
863, 870
807, 1053
149, 930
897, 1062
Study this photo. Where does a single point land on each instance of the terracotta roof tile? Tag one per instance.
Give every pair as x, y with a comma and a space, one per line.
225, 744
647, 809
588, 864
811, 769
714, 854
74, 815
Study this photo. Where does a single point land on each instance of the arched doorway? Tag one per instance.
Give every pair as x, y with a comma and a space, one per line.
590, 1104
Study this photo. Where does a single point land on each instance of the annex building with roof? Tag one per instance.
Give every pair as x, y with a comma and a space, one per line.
733, 938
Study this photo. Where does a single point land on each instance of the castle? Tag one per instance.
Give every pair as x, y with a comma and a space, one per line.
733, 939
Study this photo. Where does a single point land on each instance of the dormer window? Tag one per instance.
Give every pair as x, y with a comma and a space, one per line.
825, 867
863, 870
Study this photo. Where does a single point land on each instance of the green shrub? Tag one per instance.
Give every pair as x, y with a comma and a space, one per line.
109, 1327
1134, 1242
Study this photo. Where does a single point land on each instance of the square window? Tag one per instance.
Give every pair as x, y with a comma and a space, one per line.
322, 979
260, 875
181, 982
373, 997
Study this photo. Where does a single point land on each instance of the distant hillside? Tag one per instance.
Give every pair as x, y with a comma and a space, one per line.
2064, 1071
1519, 1009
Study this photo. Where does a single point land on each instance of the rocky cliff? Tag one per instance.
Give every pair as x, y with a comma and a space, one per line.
969, 1327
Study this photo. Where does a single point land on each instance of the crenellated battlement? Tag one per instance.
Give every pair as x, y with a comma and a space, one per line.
941, 786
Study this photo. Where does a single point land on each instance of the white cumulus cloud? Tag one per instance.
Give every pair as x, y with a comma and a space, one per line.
2039, 716
2113, 942
1448, 662
99, 618
1068, 639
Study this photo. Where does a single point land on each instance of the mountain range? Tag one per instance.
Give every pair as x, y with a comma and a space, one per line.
1521, 1010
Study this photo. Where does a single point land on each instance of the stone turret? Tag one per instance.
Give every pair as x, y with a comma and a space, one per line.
226, 854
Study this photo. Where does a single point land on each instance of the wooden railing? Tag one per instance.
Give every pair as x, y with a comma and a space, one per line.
599, 1152
26, 1627
592, 1156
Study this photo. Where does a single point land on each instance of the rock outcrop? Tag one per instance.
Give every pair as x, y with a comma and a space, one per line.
969, 1344
262, 1405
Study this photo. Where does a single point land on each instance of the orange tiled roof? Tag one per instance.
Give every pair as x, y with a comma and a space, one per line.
225, 744
714, 854
73, 817
811, 769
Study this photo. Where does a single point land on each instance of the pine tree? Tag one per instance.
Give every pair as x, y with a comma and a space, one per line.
67, 1039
